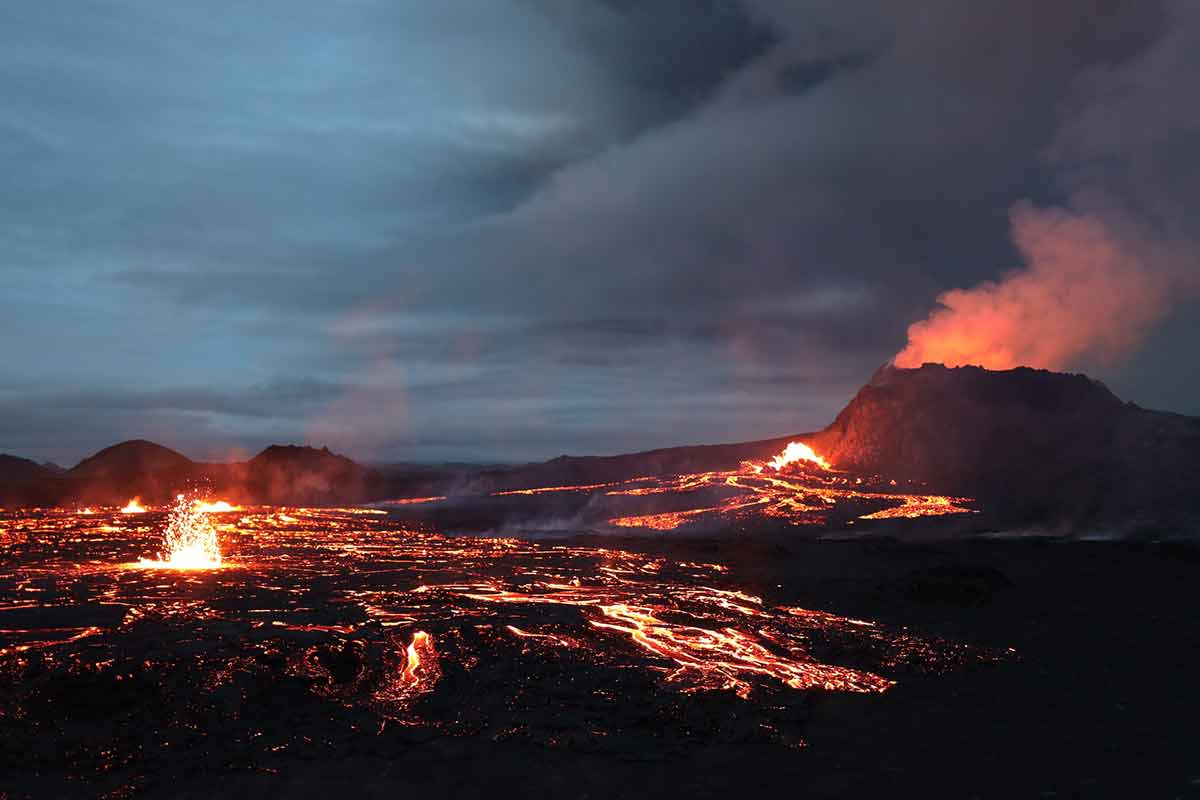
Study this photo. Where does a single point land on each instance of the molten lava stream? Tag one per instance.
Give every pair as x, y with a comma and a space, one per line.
420, 673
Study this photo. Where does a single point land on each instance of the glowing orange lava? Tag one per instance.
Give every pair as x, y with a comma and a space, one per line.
218, 507
189, 542
134, 506
794, 452
412, 501
408, 612
776, 489
418, 675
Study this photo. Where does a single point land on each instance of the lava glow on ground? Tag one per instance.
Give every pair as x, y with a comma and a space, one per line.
348, 616
797, 487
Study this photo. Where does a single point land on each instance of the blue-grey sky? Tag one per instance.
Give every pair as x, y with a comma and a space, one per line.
510, 229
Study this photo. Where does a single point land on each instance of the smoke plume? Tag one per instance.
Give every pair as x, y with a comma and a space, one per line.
1101, 271
1091, 289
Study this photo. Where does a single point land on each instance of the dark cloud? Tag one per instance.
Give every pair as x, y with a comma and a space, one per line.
510, 229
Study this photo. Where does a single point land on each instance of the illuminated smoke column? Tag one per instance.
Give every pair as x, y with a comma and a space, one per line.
1088, 290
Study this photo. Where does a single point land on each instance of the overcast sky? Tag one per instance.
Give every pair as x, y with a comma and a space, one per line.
509, 229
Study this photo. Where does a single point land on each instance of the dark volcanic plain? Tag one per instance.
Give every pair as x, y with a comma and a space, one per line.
1021, 668
994, 596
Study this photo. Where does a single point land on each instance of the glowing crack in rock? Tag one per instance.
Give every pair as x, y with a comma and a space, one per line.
418, 674
189, 541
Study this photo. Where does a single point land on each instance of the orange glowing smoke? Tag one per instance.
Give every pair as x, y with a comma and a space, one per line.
797, 451
189, 542
1088, 290
134, 506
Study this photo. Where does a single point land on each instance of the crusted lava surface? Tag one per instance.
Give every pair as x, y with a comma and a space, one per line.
347, 647
322, 626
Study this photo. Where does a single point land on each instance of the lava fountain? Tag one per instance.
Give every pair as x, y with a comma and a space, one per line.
134, 506
190, 540
797, 451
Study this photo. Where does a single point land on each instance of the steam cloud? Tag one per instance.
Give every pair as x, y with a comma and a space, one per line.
1089, 290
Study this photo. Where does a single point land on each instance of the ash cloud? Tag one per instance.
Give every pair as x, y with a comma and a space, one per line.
1089, 291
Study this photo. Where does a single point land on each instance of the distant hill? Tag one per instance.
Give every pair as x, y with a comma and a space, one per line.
284, 474
25, 482
133, 468
130, 460
18, 470
295, 474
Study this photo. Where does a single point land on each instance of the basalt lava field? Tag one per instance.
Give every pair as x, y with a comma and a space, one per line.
120, 672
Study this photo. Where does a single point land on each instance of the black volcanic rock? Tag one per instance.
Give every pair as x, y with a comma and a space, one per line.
1031, 444
134, 468
21, 470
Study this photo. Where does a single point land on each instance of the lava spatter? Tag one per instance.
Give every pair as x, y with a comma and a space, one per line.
190, 540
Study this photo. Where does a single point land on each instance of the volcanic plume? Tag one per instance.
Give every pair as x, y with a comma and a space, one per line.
1091, 289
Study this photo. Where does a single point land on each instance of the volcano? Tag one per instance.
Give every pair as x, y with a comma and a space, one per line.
1032, 445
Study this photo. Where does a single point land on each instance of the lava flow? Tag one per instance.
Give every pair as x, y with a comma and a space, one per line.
798, 486
189, 541
461, 634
